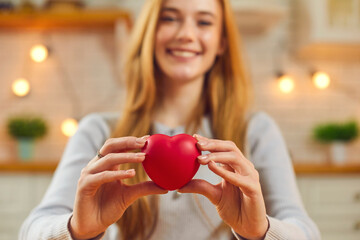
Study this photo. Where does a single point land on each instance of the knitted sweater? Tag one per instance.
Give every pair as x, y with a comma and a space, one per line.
180, 216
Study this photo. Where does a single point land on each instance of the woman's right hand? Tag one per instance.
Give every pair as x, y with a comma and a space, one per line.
101, 197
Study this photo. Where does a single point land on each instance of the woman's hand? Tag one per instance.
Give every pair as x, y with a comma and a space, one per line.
238, 198
101, 197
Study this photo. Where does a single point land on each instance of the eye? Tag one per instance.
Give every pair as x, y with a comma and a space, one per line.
204, 23
168, 19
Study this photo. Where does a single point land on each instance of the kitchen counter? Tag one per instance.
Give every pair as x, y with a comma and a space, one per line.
31, 166
300, 169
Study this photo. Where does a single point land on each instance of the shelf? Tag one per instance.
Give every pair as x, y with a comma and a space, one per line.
83, 19
317, 169
257, 16
300, 169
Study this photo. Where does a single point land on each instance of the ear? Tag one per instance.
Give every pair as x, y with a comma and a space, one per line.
222, 46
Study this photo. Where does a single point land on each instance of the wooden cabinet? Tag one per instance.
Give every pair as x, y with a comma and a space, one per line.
20, 193
331, 196
333, 21
333, 202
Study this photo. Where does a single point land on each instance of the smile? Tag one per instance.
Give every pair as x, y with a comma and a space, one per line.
183, 53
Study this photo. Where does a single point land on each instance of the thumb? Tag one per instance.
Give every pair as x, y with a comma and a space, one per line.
212, 192
143, 189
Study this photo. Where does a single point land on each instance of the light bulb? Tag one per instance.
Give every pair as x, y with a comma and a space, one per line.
21, 87
321, 80
38, 53
286, 84
69, 127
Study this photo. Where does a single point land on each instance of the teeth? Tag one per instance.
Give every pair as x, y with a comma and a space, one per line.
183, 54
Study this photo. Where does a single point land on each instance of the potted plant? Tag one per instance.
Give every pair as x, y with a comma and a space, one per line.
337, 135
26, 129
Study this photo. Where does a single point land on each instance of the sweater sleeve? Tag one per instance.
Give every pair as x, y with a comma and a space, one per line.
287, 217
49, 220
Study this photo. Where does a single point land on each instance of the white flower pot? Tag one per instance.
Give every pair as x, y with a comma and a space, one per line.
338, 152
25, 148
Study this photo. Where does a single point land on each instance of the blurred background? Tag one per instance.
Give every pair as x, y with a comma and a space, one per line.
61, 60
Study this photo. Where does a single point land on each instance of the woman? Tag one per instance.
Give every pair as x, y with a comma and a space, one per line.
184, 74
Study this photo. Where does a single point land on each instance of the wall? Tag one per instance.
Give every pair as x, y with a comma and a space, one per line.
78, 77
298, 112
84, 68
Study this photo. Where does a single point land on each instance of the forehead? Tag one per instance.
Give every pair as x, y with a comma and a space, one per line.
194, 6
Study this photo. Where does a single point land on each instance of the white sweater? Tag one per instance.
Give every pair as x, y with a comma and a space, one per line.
179, 217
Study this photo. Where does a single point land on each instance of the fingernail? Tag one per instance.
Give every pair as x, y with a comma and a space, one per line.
142, 140
202, 157
202, 143
145, 137
140, 154
197, 136
130, 171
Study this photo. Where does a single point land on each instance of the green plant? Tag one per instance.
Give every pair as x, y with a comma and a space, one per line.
27, 127
330, 132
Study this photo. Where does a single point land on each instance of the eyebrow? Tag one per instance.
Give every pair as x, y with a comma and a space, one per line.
171, 9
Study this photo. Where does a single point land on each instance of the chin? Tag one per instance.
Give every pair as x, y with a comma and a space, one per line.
183, 76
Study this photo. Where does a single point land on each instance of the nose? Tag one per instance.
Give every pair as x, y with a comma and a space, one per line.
187, 30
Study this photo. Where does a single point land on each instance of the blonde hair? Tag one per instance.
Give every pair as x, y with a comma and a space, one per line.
225, 98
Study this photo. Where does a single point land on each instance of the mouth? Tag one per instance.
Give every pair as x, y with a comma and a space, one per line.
182, 53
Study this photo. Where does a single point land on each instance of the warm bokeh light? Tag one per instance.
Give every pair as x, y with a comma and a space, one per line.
69, 127
21, 87
39, 53
286, 84
321, 80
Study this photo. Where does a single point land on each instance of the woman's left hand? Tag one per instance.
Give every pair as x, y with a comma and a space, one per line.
238, 197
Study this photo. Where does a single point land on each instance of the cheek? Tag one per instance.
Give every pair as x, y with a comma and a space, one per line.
163, 35
159, 45
158, 41
210, 42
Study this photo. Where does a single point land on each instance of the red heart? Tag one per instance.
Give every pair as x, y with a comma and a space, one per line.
171, 161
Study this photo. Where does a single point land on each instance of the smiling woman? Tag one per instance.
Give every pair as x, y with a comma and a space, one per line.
188, 39
184, 74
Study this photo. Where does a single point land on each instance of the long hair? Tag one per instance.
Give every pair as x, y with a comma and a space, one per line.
225, 98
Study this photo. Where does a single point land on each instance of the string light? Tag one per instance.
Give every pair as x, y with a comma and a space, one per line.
321, 80
69, 127
286, 83
39, 53
21, 87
